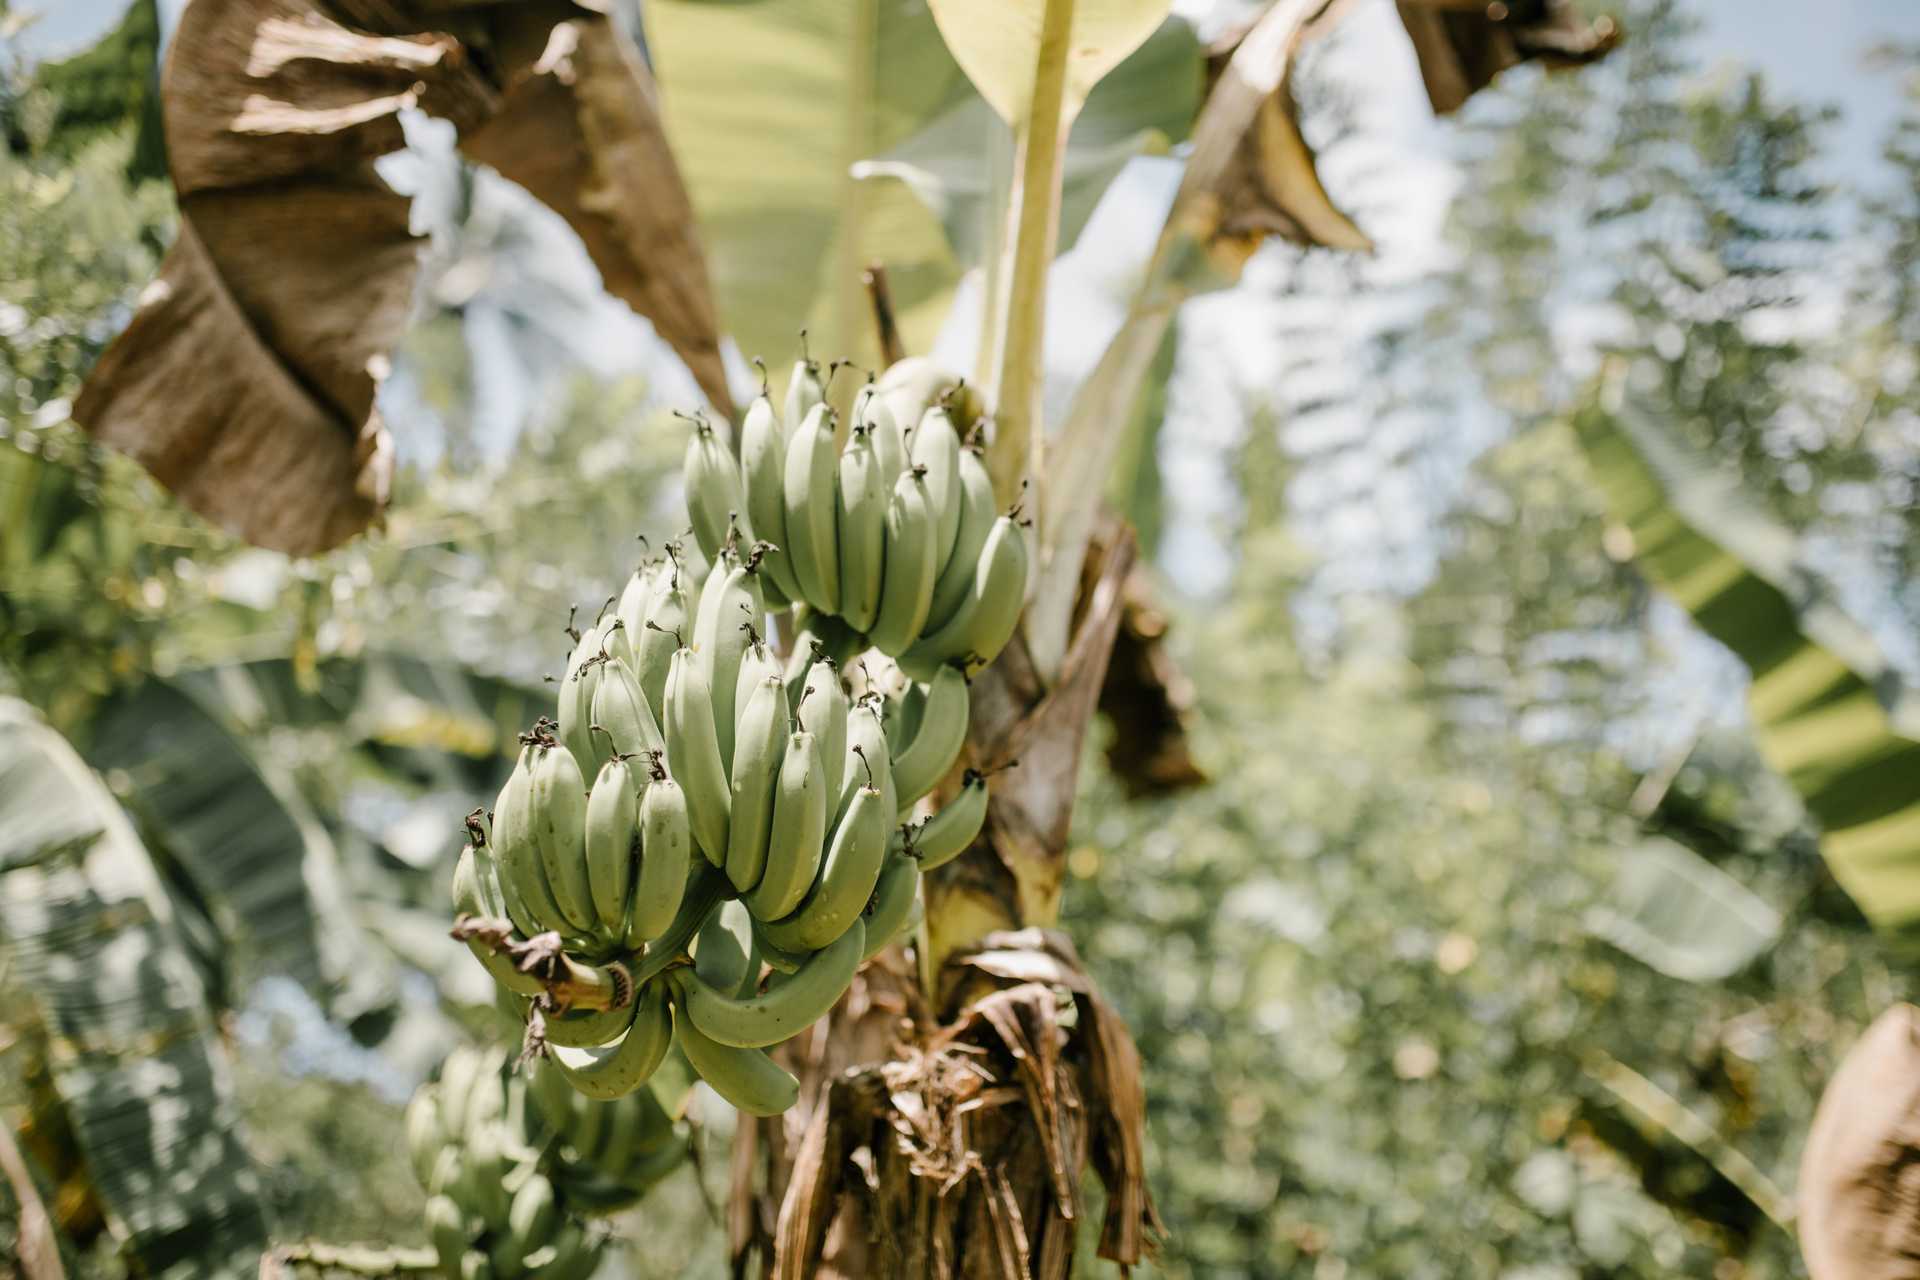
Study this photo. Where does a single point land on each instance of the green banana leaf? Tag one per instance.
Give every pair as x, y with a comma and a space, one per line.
1828, 711
957, 165
1677, 913
256, 855
91, 940
769, 104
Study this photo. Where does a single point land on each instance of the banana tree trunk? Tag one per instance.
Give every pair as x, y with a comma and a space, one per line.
953, 1102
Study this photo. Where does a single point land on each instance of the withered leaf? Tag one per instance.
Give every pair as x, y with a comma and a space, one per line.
245, 381
1463, 46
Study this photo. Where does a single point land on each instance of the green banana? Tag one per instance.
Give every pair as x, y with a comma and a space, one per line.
776, 957
620, 709
666, 859
936, 446
485, 871
902, 715
426, 1137
764, 725
614, 641
946, 835
636, 599
763, 467
978, 510
846, 880
466, 902
790, 1004
707, 888
695, 753
889, 440
617, 1069
985, 620
756, 664
908, 386
667, 626
447, 1229
731, 609
613, 829
867, 758
892, 904
747, 1078
724, 955
485, 1157
822, 711
936, 743
911, 562
559, 806
475, 1265
804, 390
523, 877
584, 1028
809, 481
457, 1075
530, 1222
712, 482
571, 1256
862, 520
799, 828
577, 688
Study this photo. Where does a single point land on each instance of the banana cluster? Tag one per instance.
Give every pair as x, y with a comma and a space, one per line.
513, 1164
720, 837
893, 541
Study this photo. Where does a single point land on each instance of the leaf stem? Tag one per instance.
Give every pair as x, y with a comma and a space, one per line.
1033, 215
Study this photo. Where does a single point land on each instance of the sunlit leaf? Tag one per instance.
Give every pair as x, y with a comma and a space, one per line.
92, 942
769, 105
1828, 711
1674, 911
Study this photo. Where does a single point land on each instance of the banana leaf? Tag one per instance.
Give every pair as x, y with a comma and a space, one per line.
1828, 711
91, 940
1680, 915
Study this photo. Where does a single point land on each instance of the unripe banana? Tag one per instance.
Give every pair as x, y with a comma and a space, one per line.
846, 880
868, 758
466, 902
909, 386
902, 715
936, 744
936, 446
585, 1028
447, 1229
559, 807
666, 859
523, 876
486, 874
821, 710
731, 611
488, 1162
530, 1223
889, 439
572, 1255
804, 389
577, 688
668, 625
772, 954
614, 641
747, 1078
617, 1069
862, 520
457, 1075
712, 482
620, 709
946, 835
613, 830
426, 1138
911, 562
764, 725
799, 829
978, 510
636, 600
790, 1004
985, 620
811, 477
756, 664
695, 753
707, 888
475, 1265
724, 955
763, 472
892, 904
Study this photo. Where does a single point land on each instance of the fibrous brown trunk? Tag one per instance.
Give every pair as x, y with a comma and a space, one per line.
954, 1101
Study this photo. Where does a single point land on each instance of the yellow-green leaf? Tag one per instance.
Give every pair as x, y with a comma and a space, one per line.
998, 44
1828, 711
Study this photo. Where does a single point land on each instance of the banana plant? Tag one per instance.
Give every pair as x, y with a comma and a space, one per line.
123, 1018
1829, 712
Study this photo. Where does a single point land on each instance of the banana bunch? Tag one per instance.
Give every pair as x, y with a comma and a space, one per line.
722, 837
892, 541
496, 1208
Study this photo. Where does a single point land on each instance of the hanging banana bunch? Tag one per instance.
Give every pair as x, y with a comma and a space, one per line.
709, 839
513, 1165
